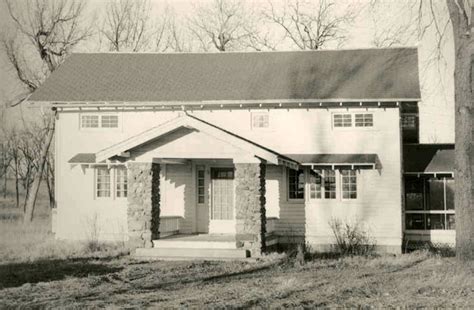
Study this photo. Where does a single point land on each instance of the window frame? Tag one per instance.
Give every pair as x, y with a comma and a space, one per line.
295, 200
112, 182
259, 114
100, 127
333, 120
427, 211
124, 184
364, 127
198, 178
341, 189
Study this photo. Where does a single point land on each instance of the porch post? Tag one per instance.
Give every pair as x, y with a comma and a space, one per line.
250, 206
143, 210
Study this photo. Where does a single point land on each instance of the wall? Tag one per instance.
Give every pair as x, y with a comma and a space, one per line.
290, 131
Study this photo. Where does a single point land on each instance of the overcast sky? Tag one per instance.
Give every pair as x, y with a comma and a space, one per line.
437, 108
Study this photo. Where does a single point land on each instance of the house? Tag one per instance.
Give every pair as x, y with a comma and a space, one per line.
252, 149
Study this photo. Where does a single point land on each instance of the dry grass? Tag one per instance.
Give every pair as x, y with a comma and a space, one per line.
37, 272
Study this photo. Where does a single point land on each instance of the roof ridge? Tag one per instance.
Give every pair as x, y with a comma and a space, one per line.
247, 52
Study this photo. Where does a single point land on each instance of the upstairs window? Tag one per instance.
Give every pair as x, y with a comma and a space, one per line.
295, 184
260, 120
93, 121
364, 120
342, 120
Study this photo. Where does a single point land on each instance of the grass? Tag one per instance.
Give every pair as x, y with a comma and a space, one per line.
38, 272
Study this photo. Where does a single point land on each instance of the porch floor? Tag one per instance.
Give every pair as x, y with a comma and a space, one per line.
200, 237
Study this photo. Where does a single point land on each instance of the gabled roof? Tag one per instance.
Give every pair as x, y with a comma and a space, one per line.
428, 158
184, 121
364, 74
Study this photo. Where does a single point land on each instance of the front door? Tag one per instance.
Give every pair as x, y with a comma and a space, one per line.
222, 200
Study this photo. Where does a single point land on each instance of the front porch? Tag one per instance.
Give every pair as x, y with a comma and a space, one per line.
195, 190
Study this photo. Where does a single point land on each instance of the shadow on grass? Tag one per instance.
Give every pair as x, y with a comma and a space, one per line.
14, 275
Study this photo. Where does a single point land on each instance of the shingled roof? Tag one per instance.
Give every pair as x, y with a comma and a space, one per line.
365, 74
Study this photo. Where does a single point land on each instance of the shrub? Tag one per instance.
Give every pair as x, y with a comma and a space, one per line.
351, 238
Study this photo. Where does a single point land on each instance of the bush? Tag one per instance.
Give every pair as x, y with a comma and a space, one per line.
351, 238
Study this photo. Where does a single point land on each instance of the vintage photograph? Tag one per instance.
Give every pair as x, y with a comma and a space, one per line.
236, 154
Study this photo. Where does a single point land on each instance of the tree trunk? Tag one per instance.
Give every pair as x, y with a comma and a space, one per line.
17, 189
464, 115
33, 192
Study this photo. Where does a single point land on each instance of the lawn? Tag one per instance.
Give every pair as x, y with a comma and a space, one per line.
38, 272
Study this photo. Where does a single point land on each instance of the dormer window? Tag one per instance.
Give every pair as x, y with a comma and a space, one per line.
96, 121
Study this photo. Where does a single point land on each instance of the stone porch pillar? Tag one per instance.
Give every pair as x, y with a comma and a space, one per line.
250, 206
143, 210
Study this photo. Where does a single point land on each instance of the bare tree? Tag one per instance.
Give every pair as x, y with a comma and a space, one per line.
46, 32
461, 15
312, 24
223, 24
128, 26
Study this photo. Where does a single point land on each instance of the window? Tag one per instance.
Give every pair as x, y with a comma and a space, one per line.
111, 181
429, 203
409, 121
260, 120
99, 121
121, 185
329, 184
200, 184
349, 184
342, 120
103, 182
295, 184
315, 184
364, 120
89, 121
109, 121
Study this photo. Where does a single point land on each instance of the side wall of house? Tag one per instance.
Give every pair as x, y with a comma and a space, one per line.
289, 131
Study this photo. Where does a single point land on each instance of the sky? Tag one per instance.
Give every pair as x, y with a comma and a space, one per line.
436, 73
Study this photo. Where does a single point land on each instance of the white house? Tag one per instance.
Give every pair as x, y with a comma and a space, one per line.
256, 148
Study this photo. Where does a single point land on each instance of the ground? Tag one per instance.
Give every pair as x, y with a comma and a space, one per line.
38, 272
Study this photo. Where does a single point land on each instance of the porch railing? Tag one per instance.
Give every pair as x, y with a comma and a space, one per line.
271, 224
169, 225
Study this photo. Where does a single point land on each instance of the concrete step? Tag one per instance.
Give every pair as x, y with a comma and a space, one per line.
169, 253
191, 244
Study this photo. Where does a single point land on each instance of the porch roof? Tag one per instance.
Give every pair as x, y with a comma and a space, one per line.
122, 149
332, 160
428, 159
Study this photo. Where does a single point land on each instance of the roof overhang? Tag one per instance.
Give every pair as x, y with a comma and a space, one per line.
337, 161
229, 104
435, 160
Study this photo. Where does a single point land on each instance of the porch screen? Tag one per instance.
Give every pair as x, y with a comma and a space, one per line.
222, 193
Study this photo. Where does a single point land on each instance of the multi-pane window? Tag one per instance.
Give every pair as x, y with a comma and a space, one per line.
295, 184
99, 121
109, 121
349, 184
103, 182
89, 121
329, 184
260, 120
322, 184
111, 183
409, 121
121, 186
200, 184
315, 184
343, 120
364, 120
429, 203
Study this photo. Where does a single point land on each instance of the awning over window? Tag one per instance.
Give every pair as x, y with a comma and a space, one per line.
354, 161
432, 159
83, 158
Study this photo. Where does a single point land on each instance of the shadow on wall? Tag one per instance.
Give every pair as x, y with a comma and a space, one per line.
14, 275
